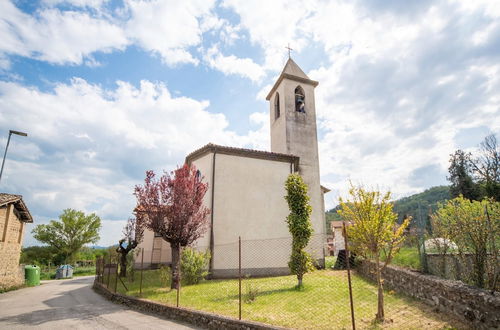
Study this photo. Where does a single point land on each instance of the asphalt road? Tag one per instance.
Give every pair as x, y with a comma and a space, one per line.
72, 304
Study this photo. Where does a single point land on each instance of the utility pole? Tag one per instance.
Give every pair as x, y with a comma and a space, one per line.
7, 147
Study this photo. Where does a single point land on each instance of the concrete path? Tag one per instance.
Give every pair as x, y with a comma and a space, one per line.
72, 304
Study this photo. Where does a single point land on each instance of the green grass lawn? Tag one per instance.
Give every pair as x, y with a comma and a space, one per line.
330, 262
407, 257
323, 302
50, 274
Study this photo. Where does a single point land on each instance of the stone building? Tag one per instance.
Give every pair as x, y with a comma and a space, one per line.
13, 216
338, 237
246, 188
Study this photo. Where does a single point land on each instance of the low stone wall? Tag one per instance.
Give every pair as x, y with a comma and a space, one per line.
478, 308
197, 318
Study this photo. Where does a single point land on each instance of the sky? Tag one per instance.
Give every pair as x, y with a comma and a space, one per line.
109, 89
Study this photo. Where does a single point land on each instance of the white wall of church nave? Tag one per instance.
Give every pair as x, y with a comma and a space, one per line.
249, 202
204, 165
249, 198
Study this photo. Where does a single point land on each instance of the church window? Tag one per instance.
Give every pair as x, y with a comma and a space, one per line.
277, 106
198, 175
300, 100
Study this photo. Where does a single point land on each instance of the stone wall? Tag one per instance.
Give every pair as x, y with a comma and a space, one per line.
197, 318
11, 278
11, 231
478, 308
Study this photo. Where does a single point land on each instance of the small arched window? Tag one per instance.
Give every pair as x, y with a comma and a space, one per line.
277, 106
300, 100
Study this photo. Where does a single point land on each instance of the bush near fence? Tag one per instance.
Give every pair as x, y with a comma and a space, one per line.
454, 266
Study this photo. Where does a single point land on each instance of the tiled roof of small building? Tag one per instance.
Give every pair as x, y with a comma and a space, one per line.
17, 200
251, 153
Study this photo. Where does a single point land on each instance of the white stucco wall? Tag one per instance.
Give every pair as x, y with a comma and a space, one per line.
249, 202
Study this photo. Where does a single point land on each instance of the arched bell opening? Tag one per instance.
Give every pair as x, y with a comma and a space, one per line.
300, 100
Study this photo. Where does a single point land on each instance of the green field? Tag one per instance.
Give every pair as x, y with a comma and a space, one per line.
322, 303
50, 273
407, 257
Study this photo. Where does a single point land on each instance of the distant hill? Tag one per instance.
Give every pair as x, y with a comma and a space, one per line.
417, 206
98, 247
420, 205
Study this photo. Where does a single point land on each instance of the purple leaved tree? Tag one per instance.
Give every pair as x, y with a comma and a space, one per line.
172, 206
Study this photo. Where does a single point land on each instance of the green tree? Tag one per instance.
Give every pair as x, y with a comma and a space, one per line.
70, 233
41, 255
460, 171
373, 230
299, 225
172, 206
474, 226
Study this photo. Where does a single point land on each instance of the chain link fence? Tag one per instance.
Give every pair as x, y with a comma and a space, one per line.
250, 280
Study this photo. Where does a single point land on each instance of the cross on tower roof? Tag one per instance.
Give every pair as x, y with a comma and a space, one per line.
289, 50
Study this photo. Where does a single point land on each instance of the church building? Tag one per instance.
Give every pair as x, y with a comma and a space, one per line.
246, 189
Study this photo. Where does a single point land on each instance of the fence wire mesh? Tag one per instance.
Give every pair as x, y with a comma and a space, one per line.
250, 279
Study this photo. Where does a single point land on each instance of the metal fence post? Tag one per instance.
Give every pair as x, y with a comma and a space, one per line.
109, 271
348, 263
239, 274
179, 277
116, 275
99, 269
142, 270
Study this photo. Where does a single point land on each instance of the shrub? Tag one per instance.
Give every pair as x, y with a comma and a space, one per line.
194, 266
165, 275
251, 294
299, 225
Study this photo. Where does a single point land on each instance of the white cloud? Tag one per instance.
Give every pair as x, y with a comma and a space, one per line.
167, 27
88, 146
60, 37
231, 64
273, 25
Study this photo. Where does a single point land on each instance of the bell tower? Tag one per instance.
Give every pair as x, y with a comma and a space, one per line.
293, 131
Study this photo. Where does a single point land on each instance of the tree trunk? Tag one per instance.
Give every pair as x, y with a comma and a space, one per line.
123, 263
299, 278
380, 306
480, 267
176, 254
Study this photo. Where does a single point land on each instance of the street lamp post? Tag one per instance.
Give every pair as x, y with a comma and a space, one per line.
7, 147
